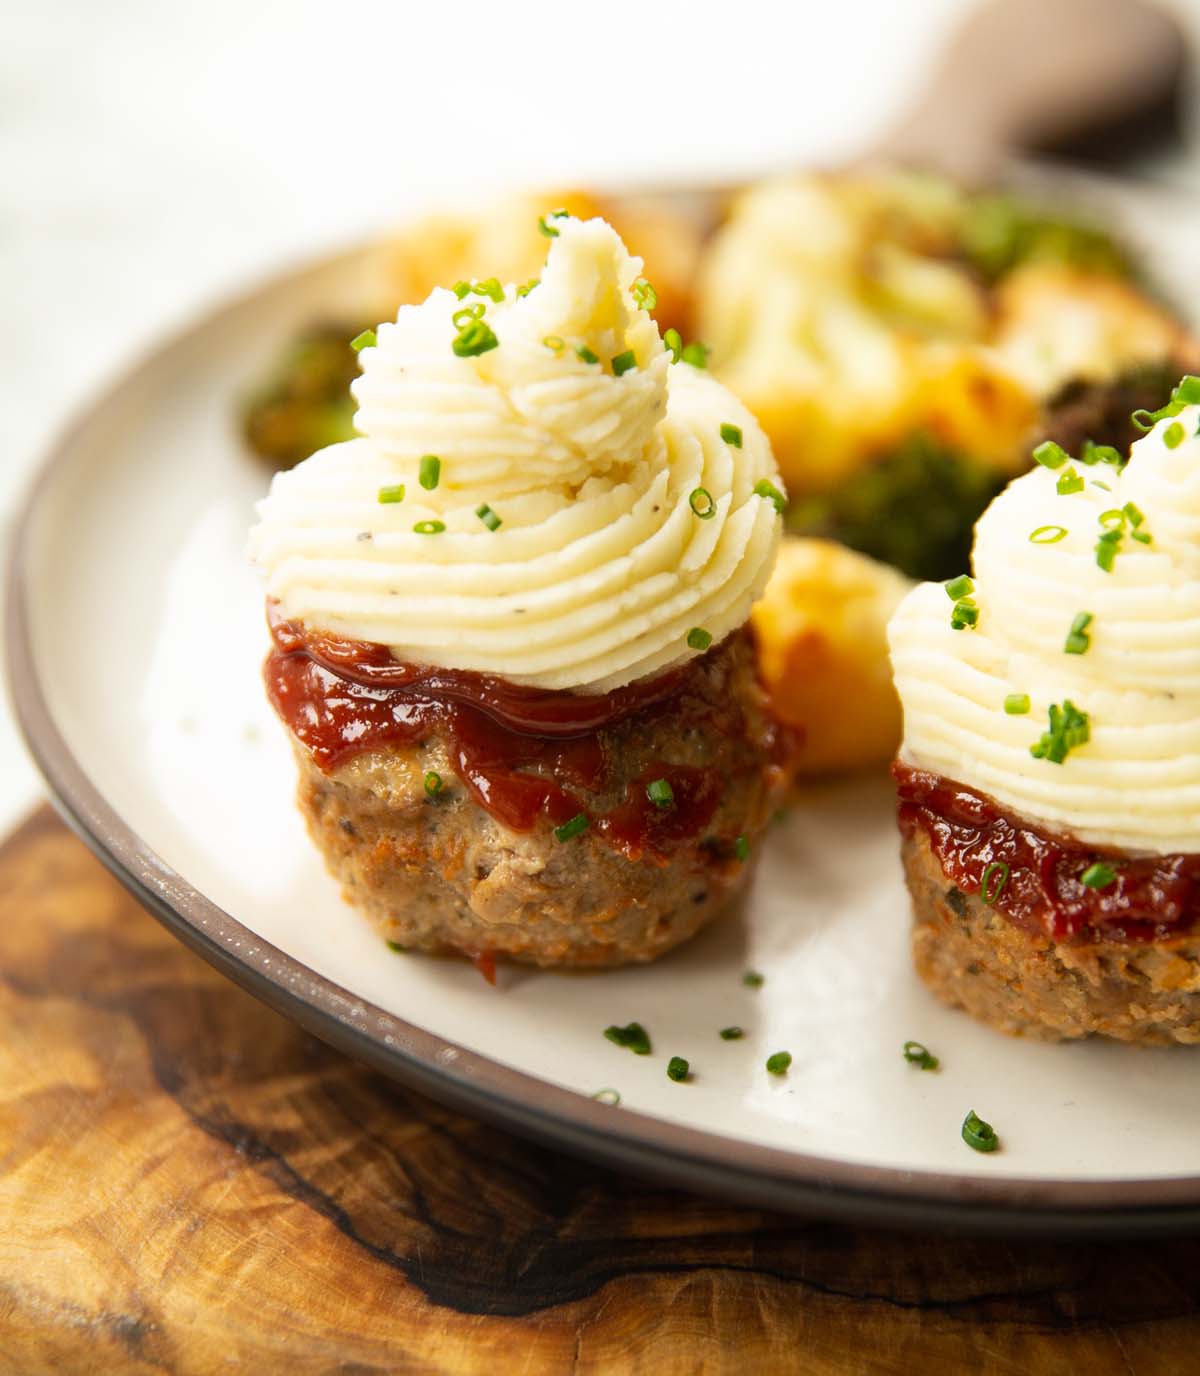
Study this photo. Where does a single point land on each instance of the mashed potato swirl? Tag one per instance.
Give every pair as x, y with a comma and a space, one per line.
600, 567
1135, 784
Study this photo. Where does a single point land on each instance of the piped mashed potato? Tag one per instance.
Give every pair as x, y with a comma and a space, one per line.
1087, 590
537, 492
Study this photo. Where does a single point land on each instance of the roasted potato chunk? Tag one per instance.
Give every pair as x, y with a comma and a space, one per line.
823, 654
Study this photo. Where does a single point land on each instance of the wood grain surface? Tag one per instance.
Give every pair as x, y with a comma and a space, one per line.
190, 1184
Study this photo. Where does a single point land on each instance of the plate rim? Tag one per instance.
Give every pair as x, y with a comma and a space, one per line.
671, 1153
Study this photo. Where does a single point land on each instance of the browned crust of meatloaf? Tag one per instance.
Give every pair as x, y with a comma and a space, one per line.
443, 875
1028, 985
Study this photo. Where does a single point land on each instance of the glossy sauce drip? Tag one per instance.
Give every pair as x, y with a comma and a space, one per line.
640, 828
1152, 898
523, 754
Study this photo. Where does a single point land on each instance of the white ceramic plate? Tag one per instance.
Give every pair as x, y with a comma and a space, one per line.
136, 634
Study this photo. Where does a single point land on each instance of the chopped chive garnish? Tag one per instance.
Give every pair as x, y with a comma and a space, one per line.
395, 493
731, 1034
433, 783
474, 337
991, 886
959, 587
490, 286
753, 980
978, 1134
731, 434
1098, 876
1135, 518
395, 946
554, 342
1051, 455
1069, 728
778, 1062
366, 340
1069, 482
698, 638
529, 286
1104, 487
548, 229
569, 830
633, 1036
916, 1053
696, 354
488, 517
1186, 394
429, 527
702, 503
644, 295
964, 613
1047, 535
766, 488
1106, 549
611, 1097
1093, 453
461, 318
622, 363
587, 354
430, 472
1016, 704
660, 793
677, 1069
461, 288
673, 342
1078, 640
741, 849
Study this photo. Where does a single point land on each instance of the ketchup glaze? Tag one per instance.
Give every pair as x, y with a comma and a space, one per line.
1151, 899
522, 753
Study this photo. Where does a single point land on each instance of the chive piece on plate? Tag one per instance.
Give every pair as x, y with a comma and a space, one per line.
918, 1054
979, 1135
633, 1036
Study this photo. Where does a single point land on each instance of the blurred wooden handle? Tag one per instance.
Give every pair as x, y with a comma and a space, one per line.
1097, 79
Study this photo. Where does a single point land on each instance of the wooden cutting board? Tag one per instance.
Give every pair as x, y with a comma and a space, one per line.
190, 1184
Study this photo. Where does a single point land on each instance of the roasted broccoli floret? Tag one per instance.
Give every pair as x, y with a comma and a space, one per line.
914, 508
999, 232
304, 402
1101, 410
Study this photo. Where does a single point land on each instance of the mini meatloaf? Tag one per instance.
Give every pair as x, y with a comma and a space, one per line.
458, 825
1041, 936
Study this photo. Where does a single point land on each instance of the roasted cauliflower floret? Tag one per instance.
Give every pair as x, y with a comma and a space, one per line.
823, 653
1057, 325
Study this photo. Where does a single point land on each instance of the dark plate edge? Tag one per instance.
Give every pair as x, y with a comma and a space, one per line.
620, 1139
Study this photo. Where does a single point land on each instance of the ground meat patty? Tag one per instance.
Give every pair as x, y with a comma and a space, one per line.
1029, 985
442, 874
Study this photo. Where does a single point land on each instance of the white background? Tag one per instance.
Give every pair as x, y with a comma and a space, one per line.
154, 153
